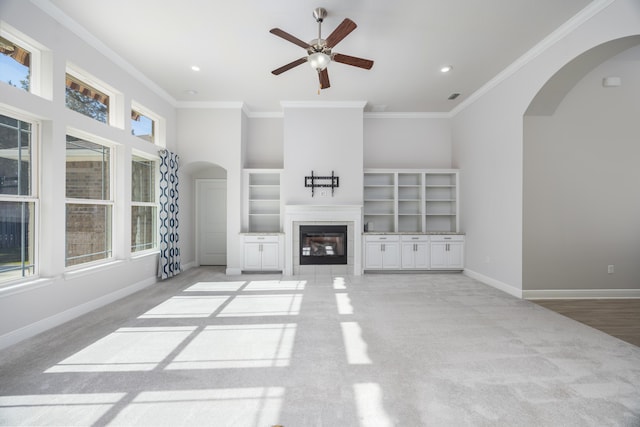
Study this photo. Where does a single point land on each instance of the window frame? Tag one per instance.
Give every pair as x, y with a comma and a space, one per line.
155, 204
115, 104
111, 201
156, 120
33, 197
41, 61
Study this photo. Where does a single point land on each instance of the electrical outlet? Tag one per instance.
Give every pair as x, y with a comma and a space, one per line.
610, 269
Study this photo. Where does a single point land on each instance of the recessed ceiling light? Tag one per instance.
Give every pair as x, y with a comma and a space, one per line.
195, 68
191, 92
446, 68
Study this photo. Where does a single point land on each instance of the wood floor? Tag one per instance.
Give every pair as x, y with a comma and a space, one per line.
617, 317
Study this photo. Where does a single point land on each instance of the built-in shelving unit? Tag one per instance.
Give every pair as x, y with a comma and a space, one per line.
380, 200
411, 200
263, 203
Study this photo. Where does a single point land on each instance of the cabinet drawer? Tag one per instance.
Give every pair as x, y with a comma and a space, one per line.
452, 238
261, 239
382, 238
416, 238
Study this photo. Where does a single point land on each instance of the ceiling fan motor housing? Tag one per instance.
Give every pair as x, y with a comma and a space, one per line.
319, 13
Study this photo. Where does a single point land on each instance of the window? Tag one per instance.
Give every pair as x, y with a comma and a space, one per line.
142, 126
87, 100
17, 199
15, 64
89, 202
144, 207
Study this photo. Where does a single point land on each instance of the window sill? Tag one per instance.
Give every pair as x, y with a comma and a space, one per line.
25, 286
144, 254
90, 269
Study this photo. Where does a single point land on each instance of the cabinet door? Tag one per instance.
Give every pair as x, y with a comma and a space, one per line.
373, 255
391, 255
408, 255
252, 259
456, 255
439, 255
270, 259
421, 256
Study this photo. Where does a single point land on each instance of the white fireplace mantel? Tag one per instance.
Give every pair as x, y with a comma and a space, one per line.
322, 213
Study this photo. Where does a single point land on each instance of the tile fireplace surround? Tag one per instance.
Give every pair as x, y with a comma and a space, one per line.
296, 215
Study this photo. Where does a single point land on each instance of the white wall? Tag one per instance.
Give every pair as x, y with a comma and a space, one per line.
323, 139
407, 142
582, 210
488, 147
265, 143
60, 295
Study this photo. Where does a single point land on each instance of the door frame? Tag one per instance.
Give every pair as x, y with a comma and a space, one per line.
199, 182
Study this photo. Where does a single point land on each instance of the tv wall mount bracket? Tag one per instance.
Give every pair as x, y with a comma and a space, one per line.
314, 182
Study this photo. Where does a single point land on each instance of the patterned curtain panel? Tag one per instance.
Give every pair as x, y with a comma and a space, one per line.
169, 264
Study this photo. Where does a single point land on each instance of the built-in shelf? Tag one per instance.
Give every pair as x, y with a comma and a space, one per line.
263, 204
423, 200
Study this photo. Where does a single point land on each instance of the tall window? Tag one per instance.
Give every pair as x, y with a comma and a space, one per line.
17, 199
89, 201
15, 64
144, 207
142, 126
85, 99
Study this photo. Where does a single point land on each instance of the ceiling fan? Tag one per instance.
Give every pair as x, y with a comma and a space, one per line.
319, 52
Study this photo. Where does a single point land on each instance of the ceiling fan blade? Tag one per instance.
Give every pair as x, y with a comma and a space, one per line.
324, 79
289, 66
352, 60
340, 32
288, 37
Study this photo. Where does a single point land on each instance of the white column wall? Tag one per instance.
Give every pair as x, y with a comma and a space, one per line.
213, 135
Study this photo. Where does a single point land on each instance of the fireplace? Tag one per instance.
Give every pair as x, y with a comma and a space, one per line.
343, 215
323, 244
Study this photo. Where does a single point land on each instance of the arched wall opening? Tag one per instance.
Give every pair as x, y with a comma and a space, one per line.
205, 192
581, 204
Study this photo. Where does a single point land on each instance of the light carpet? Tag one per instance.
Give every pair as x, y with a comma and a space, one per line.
205, 349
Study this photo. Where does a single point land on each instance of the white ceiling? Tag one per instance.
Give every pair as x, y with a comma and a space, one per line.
409, 40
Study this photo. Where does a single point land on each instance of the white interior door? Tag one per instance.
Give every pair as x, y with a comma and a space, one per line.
212, 221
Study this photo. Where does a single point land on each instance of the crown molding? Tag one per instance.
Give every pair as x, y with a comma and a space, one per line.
265, 114
323, 104
561, 32
239, 105
406, 115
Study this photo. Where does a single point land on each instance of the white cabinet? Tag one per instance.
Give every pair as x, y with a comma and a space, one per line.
415, 252
262, 201
411, 200
447, 252
381, 252
261, 253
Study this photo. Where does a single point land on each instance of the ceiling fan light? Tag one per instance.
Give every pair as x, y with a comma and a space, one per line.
319, 60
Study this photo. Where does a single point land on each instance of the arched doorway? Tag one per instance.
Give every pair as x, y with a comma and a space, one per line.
209, 184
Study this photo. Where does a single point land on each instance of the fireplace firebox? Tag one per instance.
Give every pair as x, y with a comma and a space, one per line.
323, 244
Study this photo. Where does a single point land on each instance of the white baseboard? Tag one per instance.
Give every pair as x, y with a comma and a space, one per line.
581, 294
40, 326
504, 287
188, 265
